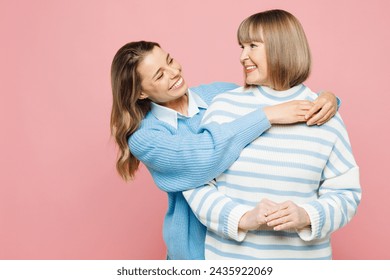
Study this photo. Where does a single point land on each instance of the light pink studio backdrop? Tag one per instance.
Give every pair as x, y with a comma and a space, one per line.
60, 196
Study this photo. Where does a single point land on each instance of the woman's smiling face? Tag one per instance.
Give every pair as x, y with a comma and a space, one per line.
253, 58
162, 81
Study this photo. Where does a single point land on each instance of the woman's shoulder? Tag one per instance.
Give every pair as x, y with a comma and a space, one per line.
151, 122
308, 93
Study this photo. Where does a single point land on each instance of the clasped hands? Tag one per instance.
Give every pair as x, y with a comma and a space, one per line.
279, 216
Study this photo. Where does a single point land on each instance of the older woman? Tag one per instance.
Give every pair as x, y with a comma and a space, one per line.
291, 188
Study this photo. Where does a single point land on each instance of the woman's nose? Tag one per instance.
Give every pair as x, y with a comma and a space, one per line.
244, 55
173, 71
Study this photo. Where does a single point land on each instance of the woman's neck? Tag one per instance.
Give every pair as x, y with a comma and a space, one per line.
179, 105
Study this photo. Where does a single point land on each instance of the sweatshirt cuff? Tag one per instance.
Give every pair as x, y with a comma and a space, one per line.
233, 221
314, 210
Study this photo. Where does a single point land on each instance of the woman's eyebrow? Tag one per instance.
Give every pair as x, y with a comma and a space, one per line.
159, 69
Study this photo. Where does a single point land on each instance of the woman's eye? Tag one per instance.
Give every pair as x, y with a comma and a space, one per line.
170, 61
160, 76
253, 46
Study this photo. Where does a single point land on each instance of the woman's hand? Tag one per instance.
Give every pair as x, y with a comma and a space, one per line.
287, 215
289, 112
324, 108
317, 112
251, 220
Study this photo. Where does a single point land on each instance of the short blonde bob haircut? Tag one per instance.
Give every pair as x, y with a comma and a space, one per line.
287, 49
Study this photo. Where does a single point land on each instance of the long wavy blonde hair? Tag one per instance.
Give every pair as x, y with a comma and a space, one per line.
127, 109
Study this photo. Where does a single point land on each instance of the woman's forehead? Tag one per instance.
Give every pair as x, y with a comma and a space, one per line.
152, 62
250, 33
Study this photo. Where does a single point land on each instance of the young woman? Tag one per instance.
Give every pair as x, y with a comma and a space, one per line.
155, 119
305, 178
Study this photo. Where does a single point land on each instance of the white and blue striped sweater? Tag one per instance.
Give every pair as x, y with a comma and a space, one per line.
311, 166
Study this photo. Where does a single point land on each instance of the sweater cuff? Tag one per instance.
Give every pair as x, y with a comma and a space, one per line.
233, 221
316, 220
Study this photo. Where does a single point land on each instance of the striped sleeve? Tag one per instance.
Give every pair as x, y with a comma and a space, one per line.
216, 211
339, 192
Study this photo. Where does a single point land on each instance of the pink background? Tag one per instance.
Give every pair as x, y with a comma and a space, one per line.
60, 196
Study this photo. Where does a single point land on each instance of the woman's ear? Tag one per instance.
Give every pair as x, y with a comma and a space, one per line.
142, 96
